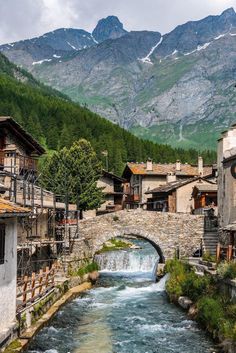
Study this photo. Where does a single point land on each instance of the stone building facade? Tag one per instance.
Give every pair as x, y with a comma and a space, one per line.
227, 185
113, 190
175, 196
143, 177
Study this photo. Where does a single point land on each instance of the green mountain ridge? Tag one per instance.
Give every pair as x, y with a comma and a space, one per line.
175, 88
57, 122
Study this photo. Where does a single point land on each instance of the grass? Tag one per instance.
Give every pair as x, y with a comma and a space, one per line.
114, 244
81, 271
13, 347
201, 135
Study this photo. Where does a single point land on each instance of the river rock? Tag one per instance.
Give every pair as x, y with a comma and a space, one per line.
192, 313
185, 302
93, 276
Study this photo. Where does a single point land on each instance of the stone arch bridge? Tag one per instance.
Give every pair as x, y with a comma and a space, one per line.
165, 231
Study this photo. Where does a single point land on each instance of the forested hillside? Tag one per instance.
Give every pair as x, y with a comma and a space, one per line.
57, 122
177, 87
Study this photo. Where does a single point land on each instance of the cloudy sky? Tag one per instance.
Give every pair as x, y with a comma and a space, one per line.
22, 19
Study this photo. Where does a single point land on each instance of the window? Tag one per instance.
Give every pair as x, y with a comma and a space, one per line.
2, 243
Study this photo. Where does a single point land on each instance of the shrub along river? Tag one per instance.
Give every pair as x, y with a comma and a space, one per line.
127, 312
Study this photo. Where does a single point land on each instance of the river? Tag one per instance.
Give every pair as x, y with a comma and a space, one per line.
127, 312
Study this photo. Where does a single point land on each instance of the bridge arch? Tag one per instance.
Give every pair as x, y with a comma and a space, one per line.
165, 231
139, 234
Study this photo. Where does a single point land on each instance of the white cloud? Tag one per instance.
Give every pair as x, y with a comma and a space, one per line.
27, 18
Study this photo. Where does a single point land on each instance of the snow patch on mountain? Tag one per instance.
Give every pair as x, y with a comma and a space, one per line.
147, 59
72, 46
199, 48
41, 61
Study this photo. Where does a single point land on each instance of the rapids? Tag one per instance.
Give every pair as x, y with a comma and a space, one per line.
127, 312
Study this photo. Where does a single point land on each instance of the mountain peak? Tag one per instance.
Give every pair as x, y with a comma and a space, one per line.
228, 12
108, 28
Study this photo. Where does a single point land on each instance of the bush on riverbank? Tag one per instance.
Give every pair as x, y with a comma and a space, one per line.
213, 310
183, 281
227, 270
88, 268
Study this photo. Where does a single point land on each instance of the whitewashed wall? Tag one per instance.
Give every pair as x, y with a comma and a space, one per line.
8, 278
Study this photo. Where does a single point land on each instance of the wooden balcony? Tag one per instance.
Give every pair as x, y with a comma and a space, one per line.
26, 163
13, 162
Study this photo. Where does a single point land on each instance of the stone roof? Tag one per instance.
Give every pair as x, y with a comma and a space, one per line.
164, 169
179, 183
8, 209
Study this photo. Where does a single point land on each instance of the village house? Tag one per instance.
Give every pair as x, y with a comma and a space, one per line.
177, 196
143, 177
9, 213
113, 190
205, 196
227, 186
19, 154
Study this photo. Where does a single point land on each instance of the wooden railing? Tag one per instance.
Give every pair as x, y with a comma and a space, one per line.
27, 163
35, 286
227, 253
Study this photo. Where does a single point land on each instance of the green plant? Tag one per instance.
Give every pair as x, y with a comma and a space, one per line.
13, 347
228, 330
210, 314
227, 270
114, 244
115, 218
194, 286
208, 257
91, 267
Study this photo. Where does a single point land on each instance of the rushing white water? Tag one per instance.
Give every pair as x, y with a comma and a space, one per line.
126, 261
126, 313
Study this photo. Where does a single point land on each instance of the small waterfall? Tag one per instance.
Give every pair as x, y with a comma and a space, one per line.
131, 261
161, 285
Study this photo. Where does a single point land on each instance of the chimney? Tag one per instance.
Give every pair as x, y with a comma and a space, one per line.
178, 166
149, 166
170, 178
200, 166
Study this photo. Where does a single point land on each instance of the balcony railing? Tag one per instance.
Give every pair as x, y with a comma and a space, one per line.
27, 163
13, 162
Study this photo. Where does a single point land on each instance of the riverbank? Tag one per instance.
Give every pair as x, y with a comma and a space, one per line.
125, 312
205, 301
23, 341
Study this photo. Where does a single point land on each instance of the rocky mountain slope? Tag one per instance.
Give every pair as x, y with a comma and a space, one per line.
56, 122
177, 88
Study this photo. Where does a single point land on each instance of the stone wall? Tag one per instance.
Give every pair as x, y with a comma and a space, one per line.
166, 232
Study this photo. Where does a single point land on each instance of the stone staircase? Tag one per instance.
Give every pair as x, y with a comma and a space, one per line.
210, 238
210, 241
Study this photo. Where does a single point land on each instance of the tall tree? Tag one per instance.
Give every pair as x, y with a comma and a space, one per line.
74, 172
